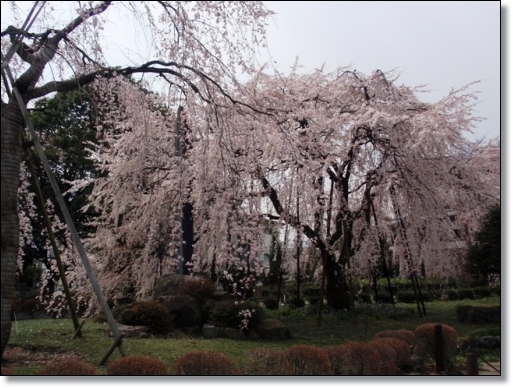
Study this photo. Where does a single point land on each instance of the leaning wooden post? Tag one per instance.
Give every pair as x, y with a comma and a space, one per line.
56, 252
116, 343
78, 331
67, 217
471, 361
439, 348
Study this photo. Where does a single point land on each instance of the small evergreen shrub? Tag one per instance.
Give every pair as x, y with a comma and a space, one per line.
403, 351
271, 303
427, 296
451, 295
201, 290
228, 314
388, 358
425, 341
482, 292
68, 367
31, 305
294, 302
314, 300
405, 297
465, 293
137, 366
268, 362
384, 297
406, 335
7, 372
200, 363
496, 290
435, 294
365, 297
151, 314
308, 360
265, 293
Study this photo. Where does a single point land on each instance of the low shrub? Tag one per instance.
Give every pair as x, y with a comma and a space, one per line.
16, 305
68, 366
425, 341
31, 305
388, 357
228, 313
294, 302
384, 297
201, 289
200, 363
435, 294
405, 297
151, 314
354, 359
7, 372
427, 296
403, 351
465, 293
308, 360
451, 295
271, 303
365, 297
406, 335
268, 362
482, 292
496, 291
265, 293
314, 300
136, 366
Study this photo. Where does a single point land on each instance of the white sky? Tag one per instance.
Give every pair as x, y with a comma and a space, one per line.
438, 44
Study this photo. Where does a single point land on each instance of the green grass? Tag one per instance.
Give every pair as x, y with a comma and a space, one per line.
359, 325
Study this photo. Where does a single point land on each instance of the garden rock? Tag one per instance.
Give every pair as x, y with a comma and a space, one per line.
479, 314
490, 342
132, 331
186, 309
167, 284
272, 329
233, 334
210, 331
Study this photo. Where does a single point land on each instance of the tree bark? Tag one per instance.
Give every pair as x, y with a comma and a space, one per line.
11, 155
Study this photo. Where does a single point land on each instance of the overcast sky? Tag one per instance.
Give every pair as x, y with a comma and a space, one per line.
439, 44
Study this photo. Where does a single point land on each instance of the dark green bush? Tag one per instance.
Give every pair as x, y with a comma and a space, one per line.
384, 297
451, 295
496, 291
482, 292
151, 314
405, 297
265, 293
435, 294
294, 302
271, 303
365, 297
314, 300
465, 293
428, 296
226, 313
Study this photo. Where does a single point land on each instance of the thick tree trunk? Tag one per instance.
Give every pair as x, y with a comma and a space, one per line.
11, 153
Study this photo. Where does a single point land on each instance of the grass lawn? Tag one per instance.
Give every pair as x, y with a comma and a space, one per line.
40, 339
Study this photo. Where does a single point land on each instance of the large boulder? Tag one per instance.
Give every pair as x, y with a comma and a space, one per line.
272, 329
185, 308
479, 314
168, 284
